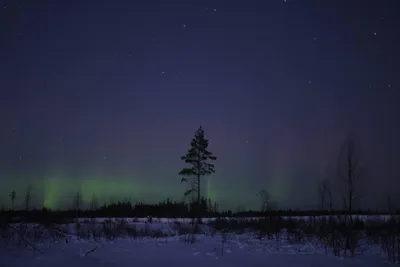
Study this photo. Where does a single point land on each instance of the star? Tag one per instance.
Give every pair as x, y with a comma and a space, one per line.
310, 82
389, 85
183, 26
315, 38
162, 73
20, 157
375, 33
215, 10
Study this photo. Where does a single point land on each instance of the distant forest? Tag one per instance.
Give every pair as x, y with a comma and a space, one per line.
168, 209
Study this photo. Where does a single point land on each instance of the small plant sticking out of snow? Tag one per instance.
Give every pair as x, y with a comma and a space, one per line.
224, 239
189, 238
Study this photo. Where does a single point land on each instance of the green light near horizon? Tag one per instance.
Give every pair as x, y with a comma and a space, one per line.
60, 191
57, 188
104, 189
210, 191
51, 191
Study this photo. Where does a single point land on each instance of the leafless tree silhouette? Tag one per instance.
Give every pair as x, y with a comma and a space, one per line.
266, 202
77, 203
94, 203
325, 194
350, 173
13, 196
28, 198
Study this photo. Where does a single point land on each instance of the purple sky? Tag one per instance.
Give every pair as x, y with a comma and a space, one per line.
107, 96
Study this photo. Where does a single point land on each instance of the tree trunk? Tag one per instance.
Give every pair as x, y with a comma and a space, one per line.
198, 189
198, 197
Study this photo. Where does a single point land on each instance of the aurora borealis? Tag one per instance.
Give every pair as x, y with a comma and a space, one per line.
104, 98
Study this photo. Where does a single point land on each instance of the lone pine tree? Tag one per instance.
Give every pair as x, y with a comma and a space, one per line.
199, 158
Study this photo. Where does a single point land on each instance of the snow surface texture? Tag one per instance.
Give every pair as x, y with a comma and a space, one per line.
207, 250
205, 220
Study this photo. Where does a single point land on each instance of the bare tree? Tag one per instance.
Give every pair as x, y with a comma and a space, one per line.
325, 194
78, 201
389, 204
321, 194
28, 198
350, 173
94, 203
328, 191
13, 196
265, 198
77, 204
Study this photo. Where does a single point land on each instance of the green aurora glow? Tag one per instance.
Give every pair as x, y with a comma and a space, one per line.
58, 190
58, 187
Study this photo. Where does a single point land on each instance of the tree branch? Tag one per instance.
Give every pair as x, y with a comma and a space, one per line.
23, 239
90, 251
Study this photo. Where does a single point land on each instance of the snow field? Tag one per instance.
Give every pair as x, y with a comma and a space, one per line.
168, 242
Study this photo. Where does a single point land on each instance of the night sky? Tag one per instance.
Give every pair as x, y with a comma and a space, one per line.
105, 96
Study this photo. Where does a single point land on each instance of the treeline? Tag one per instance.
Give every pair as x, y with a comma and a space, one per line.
348, 173
167, 209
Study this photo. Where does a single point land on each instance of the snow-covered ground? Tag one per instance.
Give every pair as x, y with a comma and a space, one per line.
207, 250
172, 252
205, 220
